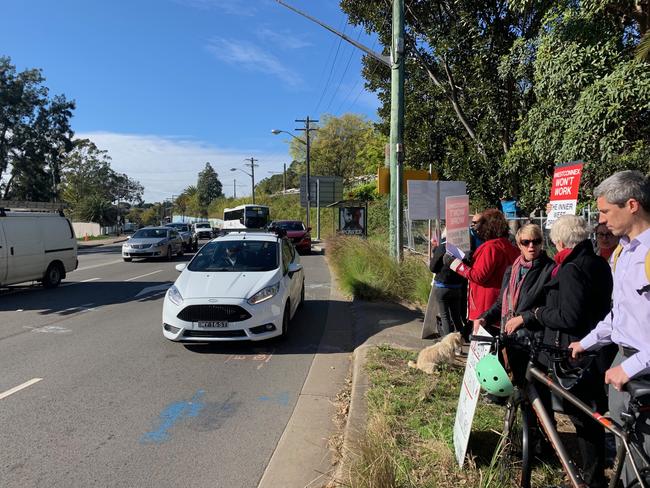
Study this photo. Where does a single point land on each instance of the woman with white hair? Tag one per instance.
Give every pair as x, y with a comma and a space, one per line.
578, 296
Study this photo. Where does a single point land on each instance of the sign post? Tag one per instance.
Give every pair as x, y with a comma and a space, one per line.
564, 191
468, 398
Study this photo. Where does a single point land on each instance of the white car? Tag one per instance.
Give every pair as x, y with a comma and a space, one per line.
241, 286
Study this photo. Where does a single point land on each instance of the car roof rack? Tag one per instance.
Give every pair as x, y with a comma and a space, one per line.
25, 206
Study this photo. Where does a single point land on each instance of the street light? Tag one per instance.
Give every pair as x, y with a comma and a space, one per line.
307, 130
251, 174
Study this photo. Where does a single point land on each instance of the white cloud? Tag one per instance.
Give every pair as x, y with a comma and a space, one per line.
282, 39
249, 56
165, 166
231, 7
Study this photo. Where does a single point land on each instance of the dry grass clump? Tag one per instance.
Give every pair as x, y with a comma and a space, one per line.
366, 270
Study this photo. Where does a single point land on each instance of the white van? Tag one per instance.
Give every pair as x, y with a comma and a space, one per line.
36, 246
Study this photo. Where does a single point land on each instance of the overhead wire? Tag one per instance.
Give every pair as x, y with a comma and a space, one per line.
347, 65
329, 77
353, 89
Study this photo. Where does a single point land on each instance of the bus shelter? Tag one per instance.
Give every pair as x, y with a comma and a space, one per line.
352, 217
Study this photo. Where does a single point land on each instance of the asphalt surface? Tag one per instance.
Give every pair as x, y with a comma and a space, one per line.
91, 394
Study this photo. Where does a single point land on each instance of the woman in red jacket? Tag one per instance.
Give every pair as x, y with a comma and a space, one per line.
488, 265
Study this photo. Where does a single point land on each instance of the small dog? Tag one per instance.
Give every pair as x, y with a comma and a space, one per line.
438, 353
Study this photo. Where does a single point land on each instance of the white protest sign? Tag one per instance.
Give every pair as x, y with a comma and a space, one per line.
469, 393
457, 222
564, 191
426, 199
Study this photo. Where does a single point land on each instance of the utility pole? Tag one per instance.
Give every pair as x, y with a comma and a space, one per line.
284, 177
307, 130
234, 188
397, 130
396, 64
252, 166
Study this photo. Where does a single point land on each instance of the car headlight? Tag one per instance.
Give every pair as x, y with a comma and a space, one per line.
264, 294
175, 296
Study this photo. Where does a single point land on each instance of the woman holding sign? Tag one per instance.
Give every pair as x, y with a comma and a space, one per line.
488, 264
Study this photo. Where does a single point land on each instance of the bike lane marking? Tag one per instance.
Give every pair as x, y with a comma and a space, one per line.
16, 389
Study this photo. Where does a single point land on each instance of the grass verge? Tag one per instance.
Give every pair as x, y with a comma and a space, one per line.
408, 439
366, 270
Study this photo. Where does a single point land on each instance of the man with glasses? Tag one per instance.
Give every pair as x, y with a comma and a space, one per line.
624, 204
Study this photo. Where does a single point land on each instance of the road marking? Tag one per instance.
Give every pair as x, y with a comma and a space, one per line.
142, 276
89, 279
99, 265
152, 289
16, 389
171, 415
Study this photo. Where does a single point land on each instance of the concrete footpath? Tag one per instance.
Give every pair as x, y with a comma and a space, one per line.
303, 457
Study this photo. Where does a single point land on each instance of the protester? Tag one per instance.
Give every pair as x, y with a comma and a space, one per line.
448, 292
488, 264
606, 242
577, 298
522, 290
624, 204
474, 240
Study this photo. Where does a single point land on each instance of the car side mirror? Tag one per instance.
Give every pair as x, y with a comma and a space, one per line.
294, 268
181, 267
308, 229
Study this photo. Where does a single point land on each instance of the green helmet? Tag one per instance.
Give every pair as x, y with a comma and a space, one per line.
492, 377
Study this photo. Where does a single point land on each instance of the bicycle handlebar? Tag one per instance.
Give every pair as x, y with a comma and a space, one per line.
533, 344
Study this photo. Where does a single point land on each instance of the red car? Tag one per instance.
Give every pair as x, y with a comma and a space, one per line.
296, 232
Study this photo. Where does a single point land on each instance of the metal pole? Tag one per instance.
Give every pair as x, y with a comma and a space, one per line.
396, 129
284, 177
234, 188
429, 247
318, 209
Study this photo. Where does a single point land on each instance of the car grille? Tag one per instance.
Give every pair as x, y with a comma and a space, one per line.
231, 313
214, 333
140, 246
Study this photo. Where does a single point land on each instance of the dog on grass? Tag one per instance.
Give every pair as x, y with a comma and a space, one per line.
442, 352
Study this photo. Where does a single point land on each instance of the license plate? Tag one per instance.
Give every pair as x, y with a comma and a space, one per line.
220, 324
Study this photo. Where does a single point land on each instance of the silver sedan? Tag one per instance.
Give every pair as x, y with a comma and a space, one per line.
153, 242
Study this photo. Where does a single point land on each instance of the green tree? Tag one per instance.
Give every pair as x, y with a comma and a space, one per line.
345, 146
208, 187
35, 134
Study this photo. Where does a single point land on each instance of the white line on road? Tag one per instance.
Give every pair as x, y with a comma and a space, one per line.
89, 279
99, 265
142, 276
16, 389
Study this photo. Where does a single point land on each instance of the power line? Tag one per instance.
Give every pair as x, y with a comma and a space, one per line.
338, 47
347, 65
356, 83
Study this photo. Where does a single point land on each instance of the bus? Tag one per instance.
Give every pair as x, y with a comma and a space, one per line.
246, 217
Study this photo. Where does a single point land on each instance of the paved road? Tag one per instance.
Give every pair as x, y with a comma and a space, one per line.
107, 401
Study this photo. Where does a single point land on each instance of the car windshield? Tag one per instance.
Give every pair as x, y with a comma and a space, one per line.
180, 227
289, 225
150, 233
236, 256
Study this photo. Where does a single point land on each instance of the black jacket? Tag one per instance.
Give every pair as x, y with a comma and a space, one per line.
444, 273
532, 293
577, 297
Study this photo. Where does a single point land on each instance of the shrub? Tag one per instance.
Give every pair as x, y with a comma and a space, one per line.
366, 270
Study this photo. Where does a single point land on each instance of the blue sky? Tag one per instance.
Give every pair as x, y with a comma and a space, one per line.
168, 85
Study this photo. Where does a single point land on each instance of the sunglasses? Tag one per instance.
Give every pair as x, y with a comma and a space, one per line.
528, 242
604, 234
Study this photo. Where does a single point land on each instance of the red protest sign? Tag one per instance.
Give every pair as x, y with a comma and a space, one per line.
566, 181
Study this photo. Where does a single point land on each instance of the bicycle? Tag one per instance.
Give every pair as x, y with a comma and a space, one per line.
524, 403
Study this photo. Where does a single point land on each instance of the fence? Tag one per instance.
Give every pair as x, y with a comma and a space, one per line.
416, 232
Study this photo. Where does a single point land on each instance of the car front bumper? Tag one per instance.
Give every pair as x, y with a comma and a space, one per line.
265, 315
149, 252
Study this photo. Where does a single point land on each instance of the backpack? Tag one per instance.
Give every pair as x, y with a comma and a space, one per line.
617, 252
